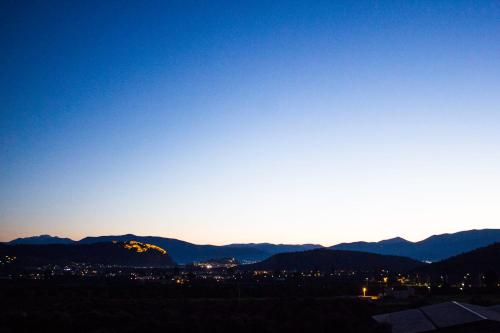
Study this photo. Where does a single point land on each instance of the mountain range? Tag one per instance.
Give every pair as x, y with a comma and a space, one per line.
184, 252
434, 248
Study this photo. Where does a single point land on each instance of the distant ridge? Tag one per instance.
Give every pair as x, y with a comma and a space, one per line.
278, 248
395, 240
433, 248
183, 252
42, 239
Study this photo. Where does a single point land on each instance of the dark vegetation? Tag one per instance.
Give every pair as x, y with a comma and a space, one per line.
131, 308
103, 305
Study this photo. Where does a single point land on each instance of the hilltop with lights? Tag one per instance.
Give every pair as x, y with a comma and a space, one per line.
125, 254
142, 247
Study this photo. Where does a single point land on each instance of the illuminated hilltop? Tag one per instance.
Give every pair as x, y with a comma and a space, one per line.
142, 247
127, 254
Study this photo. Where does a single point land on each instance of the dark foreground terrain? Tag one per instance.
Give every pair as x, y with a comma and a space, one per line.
48, 307
121, 306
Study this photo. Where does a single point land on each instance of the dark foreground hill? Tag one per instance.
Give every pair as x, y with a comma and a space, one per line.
119, 254
327, 260
480, 262
434, 248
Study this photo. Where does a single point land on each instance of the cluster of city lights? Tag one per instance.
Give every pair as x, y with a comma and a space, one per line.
142, 247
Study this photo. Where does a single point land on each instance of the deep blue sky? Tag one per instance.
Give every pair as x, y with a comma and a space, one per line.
220, 122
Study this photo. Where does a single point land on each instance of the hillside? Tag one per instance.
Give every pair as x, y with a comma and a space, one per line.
183, 252
433, 248
479, 261
119, 254
327, 260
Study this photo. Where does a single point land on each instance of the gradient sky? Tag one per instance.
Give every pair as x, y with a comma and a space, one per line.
247, 121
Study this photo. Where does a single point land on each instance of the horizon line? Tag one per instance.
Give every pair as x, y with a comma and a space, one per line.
244, 243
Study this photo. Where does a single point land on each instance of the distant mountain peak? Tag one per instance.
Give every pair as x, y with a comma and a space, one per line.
394, 240
41, 236
42, 239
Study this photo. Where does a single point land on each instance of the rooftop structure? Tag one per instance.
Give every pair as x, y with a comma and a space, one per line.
444, 317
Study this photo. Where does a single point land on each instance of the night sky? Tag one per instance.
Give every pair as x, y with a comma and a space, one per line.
247, 121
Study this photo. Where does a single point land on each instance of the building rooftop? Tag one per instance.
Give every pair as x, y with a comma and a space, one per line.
438, 316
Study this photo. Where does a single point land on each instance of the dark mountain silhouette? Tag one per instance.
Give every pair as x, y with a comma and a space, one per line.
326, 260
42, 239
184, 252
434, 248
277, 248
395, 240
480, 261
100, 253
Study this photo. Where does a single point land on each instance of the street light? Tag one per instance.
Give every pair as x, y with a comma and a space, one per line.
364, 291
